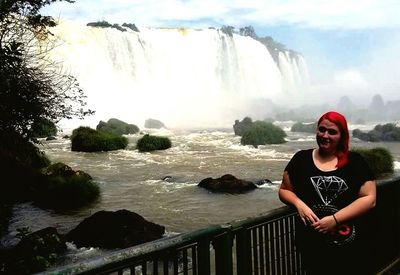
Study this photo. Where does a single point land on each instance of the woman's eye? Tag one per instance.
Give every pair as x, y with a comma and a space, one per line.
331, 132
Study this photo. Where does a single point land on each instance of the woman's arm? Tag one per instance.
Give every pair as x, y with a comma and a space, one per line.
288, 196
365, 201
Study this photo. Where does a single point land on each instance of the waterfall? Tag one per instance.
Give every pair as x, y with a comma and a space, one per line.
183, 77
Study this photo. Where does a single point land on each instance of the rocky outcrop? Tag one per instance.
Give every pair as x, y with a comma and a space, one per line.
119, 229
227, 183
117, 127
63, 170
241, 127
153, 124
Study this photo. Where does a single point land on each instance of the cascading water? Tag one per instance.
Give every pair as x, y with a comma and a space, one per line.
183, 77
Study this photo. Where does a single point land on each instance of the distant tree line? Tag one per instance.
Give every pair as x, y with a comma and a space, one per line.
105, 24
273, 46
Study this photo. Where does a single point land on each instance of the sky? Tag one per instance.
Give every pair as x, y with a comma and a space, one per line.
351, 46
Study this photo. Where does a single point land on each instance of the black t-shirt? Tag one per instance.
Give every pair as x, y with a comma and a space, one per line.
338, 188
322, 190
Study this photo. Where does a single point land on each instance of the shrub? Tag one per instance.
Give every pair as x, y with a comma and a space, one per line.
130, 26
43, 128
117, 127
86, 139
262, 133
105, 24
386, 132
150, 143
379, 159
64, 193
304, 127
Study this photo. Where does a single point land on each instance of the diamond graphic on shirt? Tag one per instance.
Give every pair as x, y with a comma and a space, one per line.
329, 188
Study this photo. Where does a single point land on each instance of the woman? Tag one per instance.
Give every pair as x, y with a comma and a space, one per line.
331, 188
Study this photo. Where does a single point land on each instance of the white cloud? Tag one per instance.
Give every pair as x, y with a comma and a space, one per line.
350, 79
323, 14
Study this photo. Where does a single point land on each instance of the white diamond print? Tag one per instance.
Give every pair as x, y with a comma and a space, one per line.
328, 188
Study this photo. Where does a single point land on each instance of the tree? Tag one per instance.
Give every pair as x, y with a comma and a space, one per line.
228, 30
248, 31
32, 86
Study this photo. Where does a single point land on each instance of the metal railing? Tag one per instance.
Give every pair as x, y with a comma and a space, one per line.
260, 245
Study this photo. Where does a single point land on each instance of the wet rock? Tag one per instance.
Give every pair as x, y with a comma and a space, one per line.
119, 229
262, 182
227, 183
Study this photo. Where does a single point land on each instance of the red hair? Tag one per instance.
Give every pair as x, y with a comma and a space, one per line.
340, 121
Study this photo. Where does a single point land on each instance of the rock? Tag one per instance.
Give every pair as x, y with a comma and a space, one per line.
117, 127
153, 124
59, 169
119, 229
168, 179
227, 183
243, 126
262, 182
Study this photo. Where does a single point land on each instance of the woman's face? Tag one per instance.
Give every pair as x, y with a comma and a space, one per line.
328, 136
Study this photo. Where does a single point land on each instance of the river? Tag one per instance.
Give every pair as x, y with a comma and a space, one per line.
136, 181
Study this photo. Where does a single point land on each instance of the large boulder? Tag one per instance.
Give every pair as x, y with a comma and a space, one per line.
117, 127
261, 133
304, 127
119, 229
227, 183
85, 139
153, 124
241, 127
385, 132
64, 188
149, 143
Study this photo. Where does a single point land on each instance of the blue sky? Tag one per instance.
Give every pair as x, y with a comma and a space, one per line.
349, 45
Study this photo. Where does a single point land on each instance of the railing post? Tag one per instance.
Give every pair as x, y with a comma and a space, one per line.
203, 249
243, 252
223, 253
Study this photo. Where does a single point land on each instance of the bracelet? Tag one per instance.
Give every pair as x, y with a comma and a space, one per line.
337, 223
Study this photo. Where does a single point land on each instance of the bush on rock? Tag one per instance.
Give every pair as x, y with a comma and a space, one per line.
150, 143
379, 159
85, 139
262, 133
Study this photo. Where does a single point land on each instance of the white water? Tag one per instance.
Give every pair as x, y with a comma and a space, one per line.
183, 77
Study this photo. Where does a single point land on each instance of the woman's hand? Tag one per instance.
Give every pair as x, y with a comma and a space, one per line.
287, 195
325, 225
306, 214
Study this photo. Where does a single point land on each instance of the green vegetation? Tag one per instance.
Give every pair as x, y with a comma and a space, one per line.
304, 127
228, 30
105, 24
33, 88
43, 127
130, 26
65, 188
117, 127
386, 132
262, 133
35, 252
150, 143
379, 159
86, 139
